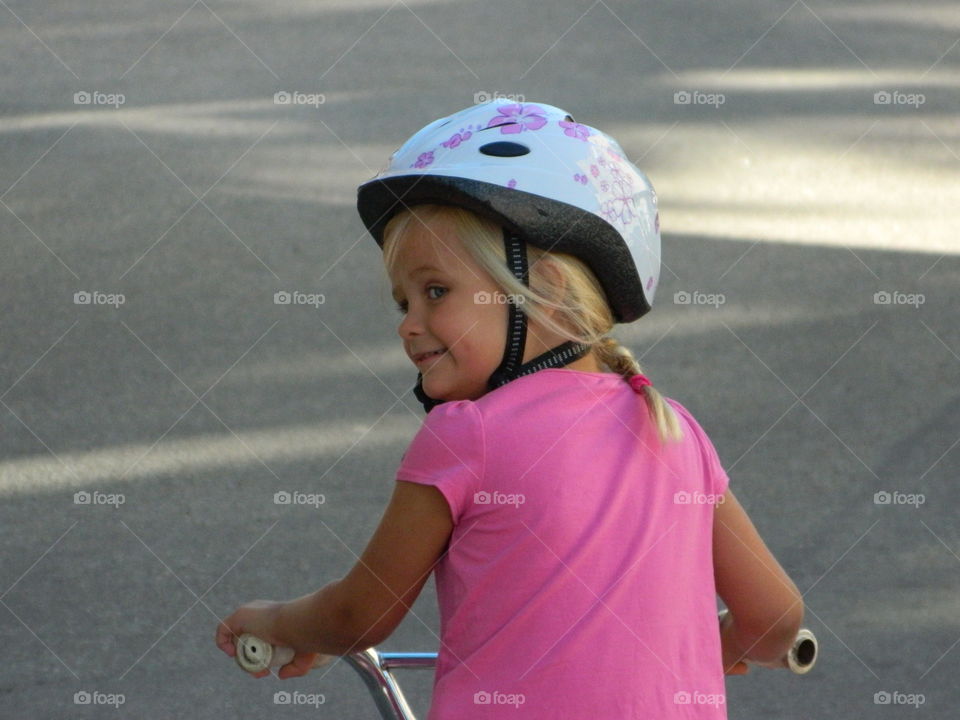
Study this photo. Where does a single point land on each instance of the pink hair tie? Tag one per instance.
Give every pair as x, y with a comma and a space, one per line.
638, 381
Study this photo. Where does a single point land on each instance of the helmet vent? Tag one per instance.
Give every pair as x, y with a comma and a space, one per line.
569, 118
504, 149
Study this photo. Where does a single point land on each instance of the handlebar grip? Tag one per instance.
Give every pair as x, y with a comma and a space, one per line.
255, 655
801, 657
803, 654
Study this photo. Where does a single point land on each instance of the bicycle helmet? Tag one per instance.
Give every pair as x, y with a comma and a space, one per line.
547, 180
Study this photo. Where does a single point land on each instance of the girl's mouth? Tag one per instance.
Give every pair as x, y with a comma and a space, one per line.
426, 357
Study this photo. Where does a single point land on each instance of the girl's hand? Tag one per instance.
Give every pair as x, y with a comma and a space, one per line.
259, 618
735, 668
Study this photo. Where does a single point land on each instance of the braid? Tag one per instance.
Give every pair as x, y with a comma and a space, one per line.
621, 361
618, 358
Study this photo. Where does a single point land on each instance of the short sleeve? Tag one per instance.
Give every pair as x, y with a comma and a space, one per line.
716, 475
448, 452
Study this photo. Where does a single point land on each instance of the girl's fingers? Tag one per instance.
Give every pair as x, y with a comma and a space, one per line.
299, 666
738, 668
224, 640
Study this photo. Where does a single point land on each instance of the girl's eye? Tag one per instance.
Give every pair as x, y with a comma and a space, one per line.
402, 306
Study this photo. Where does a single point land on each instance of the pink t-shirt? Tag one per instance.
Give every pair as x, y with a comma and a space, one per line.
578, 581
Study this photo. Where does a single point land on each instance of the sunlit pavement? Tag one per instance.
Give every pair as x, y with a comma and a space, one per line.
176, 438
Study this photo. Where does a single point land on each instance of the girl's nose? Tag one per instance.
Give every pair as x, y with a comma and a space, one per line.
411, 324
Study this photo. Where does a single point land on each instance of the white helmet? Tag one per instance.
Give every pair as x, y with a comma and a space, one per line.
560, 185
548, 181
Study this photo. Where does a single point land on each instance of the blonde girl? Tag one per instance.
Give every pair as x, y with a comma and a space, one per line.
579, 524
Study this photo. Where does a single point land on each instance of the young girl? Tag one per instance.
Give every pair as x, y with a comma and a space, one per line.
579, 523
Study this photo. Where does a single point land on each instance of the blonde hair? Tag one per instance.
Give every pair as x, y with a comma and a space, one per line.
558, 281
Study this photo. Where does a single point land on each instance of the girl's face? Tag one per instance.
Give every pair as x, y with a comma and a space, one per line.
439, 288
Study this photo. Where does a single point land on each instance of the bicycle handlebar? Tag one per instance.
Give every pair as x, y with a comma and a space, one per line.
375, 668
254, 655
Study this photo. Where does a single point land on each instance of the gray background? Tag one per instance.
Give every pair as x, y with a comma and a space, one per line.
796, 199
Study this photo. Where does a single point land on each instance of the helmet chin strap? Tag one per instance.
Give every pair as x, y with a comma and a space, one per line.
510, 366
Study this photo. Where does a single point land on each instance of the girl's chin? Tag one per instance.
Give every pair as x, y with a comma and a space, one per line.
448, 392
437, 390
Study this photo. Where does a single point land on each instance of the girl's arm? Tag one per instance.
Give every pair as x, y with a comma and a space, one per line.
370, 601
766, 609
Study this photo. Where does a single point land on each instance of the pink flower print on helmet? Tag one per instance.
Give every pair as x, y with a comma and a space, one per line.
457, 138
517, 118
575, 130
423, 160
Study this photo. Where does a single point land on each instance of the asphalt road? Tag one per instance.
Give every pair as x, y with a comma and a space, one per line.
145, 165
